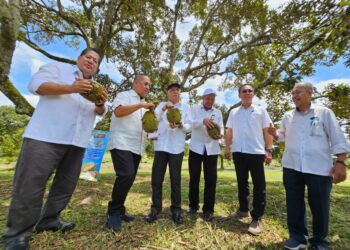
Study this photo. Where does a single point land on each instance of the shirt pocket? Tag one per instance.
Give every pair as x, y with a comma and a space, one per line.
316, 128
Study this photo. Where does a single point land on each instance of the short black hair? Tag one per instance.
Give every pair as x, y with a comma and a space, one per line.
246, 84
86, 50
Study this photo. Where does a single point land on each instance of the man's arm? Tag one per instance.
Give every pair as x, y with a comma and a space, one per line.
228, 141
80, 85
338, 171
121, 111
268, 144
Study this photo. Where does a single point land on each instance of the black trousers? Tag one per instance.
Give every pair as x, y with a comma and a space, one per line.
160, 162
318, 189
210, 176
35, 164
125, 165
253, 163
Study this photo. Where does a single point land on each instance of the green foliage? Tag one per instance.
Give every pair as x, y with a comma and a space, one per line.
11, 130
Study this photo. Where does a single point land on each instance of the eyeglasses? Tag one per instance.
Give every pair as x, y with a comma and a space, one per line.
247, 91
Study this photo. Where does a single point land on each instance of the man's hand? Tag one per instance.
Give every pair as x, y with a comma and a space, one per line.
217, 137
81, 85
268, 157
147, 105
103, 98
208, 122
175, 125
168, 105
227, 153
272, 130
338, 172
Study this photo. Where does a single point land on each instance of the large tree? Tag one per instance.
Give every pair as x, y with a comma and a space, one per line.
238, 40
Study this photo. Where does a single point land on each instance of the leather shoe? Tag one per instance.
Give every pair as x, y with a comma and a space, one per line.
18, 244
208, 216
192, 211
177, 218
127, 218
152, 216
114, 222
55, 226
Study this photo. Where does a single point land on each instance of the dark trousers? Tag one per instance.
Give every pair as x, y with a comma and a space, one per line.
125, 165
210, 176
35, 164
318, 189
253, 163
160, 162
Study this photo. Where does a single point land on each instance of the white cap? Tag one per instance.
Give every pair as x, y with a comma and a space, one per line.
209, 91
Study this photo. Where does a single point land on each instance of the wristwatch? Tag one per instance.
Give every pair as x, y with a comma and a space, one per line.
341, 162
268, 150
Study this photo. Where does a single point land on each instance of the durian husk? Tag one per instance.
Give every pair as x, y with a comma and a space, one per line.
149, 122
94, 95
214, 131
174, 115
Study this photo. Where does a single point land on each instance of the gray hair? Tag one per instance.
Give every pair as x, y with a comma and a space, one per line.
306, 85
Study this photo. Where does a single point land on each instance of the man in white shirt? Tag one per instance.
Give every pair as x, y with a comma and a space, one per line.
169, 149
55, 139
126, 143
248, 139
204, 150
311, 135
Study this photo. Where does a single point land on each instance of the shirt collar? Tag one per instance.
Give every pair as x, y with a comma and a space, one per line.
202, 107
77, 72
310, 108
134, 94
251, 108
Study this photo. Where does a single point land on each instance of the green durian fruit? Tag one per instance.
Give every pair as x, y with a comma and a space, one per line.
174, 115
94, 95
149, 122
214, 131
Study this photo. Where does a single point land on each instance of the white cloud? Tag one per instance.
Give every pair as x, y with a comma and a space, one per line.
4, 101
322, 84
26, 57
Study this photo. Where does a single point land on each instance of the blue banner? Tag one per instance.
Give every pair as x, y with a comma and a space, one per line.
93, 156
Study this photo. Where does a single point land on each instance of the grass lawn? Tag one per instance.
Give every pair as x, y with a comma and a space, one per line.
89, 203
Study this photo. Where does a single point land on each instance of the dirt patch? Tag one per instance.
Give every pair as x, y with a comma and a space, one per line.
7, 166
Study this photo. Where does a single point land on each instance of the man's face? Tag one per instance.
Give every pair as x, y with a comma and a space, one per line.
174, 94
142, 86
300, 96
88, 63
246, 94
208, 101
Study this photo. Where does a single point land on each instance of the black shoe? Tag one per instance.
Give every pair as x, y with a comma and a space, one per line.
58, 225
192, 211
114, 222
152, 216
18, 244
177, 218
208, 216
127, 218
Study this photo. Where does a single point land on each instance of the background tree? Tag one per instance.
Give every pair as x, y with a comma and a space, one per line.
11, 129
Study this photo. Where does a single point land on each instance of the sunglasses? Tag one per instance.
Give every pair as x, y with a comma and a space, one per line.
247, 91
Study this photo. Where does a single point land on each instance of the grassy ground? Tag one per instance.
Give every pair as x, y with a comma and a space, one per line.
89, 203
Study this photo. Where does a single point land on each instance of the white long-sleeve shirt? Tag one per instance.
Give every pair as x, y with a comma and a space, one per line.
311, 138
200, 140
63, 119
171, 140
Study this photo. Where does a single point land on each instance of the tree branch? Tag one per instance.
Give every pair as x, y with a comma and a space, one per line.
37, 48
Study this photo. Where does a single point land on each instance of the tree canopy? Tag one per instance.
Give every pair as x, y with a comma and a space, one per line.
239, 41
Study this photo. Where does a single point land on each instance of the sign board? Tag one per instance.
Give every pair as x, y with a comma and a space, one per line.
93, 156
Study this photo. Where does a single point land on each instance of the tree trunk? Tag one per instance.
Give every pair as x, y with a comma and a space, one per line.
10, 19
